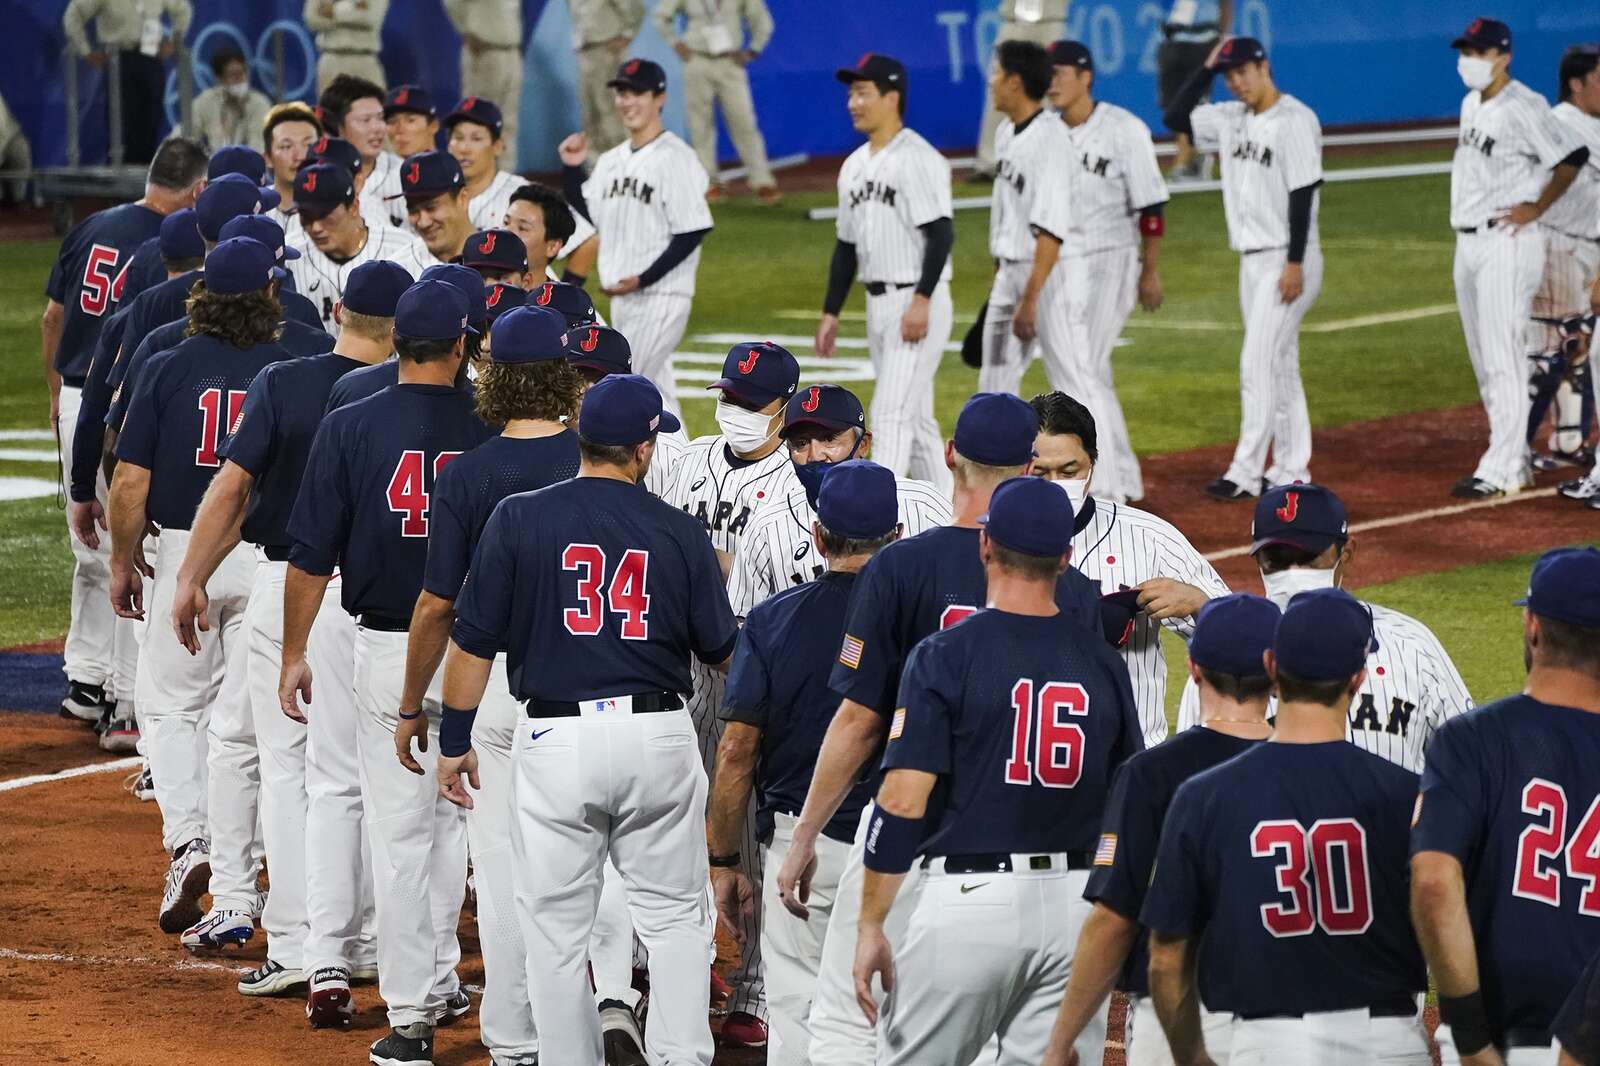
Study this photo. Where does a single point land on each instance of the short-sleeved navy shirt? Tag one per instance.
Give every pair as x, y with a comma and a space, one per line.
367, 381
1023, 718
88, 277
778, 682
1577, 1026
1289, 864
89, 433
594, 588
1141, 793
1510, 790
145, 270
185, 402
166, 302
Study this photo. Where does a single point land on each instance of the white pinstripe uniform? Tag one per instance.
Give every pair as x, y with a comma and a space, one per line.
1507, 147
1571, 265
288, 221
1411, 689
322, 279
884, 195
488, 209
777, 553
1117, 177
669, 449
639, 199
382, 183
1264, 157
1033, 193
1120, 547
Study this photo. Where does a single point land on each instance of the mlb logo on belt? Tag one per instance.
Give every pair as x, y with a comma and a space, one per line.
604, 706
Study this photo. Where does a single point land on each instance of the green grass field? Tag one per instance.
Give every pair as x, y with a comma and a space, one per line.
1388, 248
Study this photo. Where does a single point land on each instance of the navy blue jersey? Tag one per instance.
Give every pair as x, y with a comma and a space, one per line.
470, 489
1141, 793
186, 400
1023, 718
363, 502
1577, 1025
272, 438
1289, 863
146, 270
297, 308
1510, 790
778, 682
919, 586
166, 302
595, 588
89, 434
368, 381
87, 279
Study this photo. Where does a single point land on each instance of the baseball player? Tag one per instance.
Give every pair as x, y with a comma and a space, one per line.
436, 203
1503, 838
600, 595
355, 107
1226, 658
491, 56
551, 230
1270, 145
1301, 542
646, 198
909, 590
1018, 722
601, 33
184, 403
81, 294
412, 119
363, 508
596, 351
895, 231
823, 425
1282, 871
474, 137
1122, 548
499, 256
339, 238
374, 209
1111, 249
1514, 160
775, 712
287, 137
1039, 21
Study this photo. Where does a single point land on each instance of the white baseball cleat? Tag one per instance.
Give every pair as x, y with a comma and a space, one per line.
220, 929
188, 878
272, 979
1583, 488
328, 1003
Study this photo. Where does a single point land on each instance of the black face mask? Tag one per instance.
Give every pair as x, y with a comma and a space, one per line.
811, 474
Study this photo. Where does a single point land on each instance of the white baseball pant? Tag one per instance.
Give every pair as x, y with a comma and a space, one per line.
1330, 1038
1005, 358
1106, 285
612, 944
1145, 1043
233, 780
340, 908
654, 323
1497, 271
1571, 265
176, 691
1015, 953
905, 433
791, 948
1518, 1056
1272, 401
631, 787
418, 840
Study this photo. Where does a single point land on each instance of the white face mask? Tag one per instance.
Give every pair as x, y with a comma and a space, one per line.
746, 431
1476, 72
239, 91
1285, 585
1077, 490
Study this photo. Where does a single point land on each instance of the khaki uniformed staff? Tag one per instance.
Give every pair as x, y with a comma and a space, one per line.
601, 32
491, 57
347, 38
1039, 21
134, 29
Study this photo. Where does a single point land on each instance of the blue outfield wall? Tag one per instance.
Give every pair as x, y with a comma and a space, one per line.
1353, 61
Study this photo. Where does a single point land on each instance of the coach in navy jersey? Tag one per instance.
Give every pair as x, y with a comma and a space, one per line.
1280, 883
363, 509
1505, 867
1226, 659
1017, 717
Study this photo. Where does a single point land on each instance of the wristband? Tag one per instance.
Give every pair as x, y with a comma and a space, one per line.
725, 862
412, 717
455, 730
1468, 1022
891, 842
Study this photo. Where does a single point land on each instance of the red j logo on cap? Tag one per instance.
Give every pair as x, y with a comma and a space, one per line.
810, 403
1290, 508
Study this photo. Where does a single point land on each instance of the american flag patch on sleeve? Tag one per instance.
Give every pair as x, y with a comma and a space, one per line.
850, 652
1106, 853
898, 724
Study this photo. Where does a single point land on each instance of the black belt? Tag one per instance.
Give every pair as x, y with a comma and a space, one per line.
1397, 1008
275, 553
384, 623
644, 703
999, 862
1491, 224
878, 288
74, 383
1527, 1038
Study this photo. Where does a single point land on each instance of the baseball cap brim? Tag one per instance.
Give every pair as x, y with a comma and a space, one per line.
1306, 541
833, 424
638, 85
669, 422
291, 252
740, 391
848, 75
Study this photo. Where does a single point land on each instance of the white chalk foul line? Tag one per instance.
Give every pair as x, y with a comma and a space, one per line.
113, 960
76, 771
26, 434
28, 455
1413, 516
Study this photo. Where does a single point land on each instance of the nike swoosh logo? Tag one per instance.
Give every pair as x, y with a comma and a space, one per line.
537, 733
972, 888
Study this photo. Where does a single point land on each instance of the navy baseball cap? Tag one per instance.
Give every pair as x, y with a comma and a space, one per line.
429, 174
640, 76
237, 159
1237, 51
997, 429
477, 109
498, 249
225, 199
1324, 635
1070, 54
598, 348
886, 72
1484, 33
1231, 632
575, 305
833, 407
238, 265
432, 310
757, 372
375, 287
500, 298
320, 188
1565, 585
334, 150
468, 282
180, 235
1029, 515
528, 335
858, 500
409, 98
268, 232
624, 409
1305, 516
